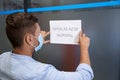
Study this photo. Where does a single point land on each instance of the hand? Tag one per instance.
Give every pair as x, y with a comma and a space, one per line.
44, 35
84, 41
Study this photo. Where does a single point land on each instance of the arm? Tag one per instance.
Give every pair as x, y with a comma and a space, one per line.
83, 71
84, 42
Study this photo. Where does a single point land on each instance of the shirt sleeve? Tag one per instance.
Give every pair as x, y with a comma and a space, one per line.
83, 72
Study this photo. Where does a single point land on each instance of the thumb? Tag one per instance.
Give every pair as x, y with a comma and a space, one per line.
47, 41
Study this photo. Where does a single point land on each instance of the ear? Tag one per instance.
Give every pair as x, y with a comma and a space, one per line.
28, 39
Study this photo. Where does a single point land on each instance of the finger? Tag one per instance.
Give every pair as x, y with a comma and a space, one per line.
80, 34
47, 41
84, 35
48, 33
42, 32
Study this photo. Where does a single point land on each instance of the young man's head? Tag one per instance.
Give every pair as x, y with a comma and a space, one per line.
22, 29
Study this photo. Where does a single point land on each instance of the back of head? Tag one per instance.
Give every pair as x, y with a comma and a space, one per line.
17, 25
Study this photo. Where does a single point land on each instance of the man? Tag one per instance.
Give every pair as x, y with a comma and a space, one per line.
26, 37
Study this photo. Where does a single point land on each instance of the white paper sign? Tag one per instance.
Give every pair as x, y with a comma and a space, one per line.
65, 31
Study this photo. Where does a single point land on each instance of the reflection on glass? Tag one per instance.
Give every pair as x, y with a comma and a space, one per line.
44, 3
11, 4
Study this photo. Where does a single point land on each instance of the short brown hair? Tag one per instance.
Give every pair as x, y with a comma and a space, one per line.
17, 25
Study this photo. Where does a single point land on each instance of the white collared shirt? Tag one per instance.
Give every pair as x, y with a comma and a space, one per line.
21, 67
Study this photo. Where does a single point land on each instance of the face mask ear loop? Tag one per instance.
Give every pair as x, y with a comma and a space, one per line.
32, 44
40, 42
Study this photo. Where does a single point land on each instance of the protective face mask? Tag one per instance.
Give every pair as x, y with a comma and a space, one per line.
40, 44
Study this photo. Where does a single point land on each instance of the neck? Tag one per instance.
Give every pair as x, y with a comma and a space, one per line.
22, 51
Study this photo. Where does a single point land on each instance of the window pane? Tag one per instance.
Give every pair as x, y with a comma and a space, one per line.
11, 4
43, 3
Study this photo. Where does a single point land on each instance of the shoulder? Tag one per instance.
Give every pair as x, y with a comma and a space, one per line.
5, 53
30, 69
